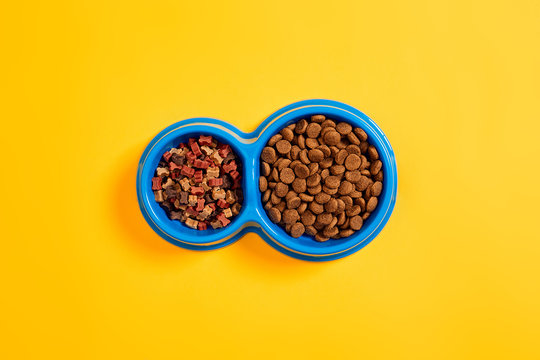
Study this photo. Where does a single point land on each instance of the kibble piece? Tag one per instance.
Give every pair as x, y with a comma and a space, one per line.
364, 146
268, 155
352, 162
314, 190
332, 138
274, 139
329, 191
378, 176
331, 205
266, 195
297, 230
371, 204
315, 155
326, 163
283, 147
294, 202
316, 208
275, 174
287, 176
313, 130
265, 169
301, 141
326, 150
310, 230
312, 143
346, 233
361, 134
345, 188
306, 197
299, 185
263, 183
328, 123
353, 176
324, 218
341, 156
353, 211
372, 153
308, 218
301, 171
318, 118
321, 238
375, 167
356, 222
343, 128
376, 188
332, 182
301, 126
324, 174
337, 169
304, 156
287, 134
281, 189
322, 198
290, 216
281, 206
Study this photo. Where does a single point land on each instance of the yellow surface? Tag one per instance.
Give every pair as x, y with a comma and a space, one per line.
85, 86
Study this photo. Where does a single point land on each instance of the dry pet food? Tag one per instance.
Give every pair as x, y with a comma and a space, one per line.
320, 177
199, 183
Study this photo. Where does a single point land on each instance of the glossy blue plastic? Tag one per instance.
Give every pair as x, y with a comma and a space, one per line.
253, 217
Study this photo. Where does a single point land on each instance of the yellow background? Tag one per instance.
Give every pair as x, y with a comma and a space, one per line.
87, 84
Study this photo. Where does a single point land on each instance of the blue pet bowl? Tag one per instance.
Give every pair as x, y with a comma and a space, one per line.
253, 217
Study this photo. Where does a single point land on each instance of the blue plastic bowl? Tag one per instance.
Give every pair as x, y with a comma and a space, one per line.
253, 217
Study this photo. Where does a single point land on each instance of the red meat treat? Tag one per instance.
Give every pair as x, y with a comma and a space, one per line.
222, 204
167, 155
215, 182
196, 149
224, 150
224, 221
231, 166
205, 140
200, 205
198, 176
181, 146
234, 174
173, 166
201, 225
156, 183
197, 190
237, 182
213, 206
175, 174
191, 211
191, 141
200, 164
191, 157
187, 171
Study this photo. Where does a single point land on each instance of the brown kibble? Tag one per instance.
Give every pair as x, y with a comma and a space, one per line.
353, 149
315, 155
324, 174
274, 199
313, 180
355, 194
343, 128
366, 215
322, 198
321, 238
353, 211
364, 146
297, 230
281, 206
326, 150
353, 176
329, 191
304, 156
352, 162
313, 130
294, 202
353, 139
290, 216
268, 155
346, 233
287, 175
275, 174
301, 141
341, 206
376, 188
360, 201
274, 139
283, 164
290, 195
308, 218
337, 169
266, 195
301, 208
324, 218
372, 153
301, 126
363, 183
332, 182
312, 143
341, 156
295, 151
318, 118
328, 123
347, 200
263, 184
361, 134
301, 171
331, 205
314, 190
299, 185
379, 176
375, 167
332, 138
281, 189
310, 230
345, 188
287, 134
283, 146
316, 208
306, 197
371, 204
274, 215
356, 222
265, 169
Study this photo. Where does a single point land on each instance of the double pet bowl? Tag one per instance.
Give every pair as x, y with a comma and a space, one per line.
253, 217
